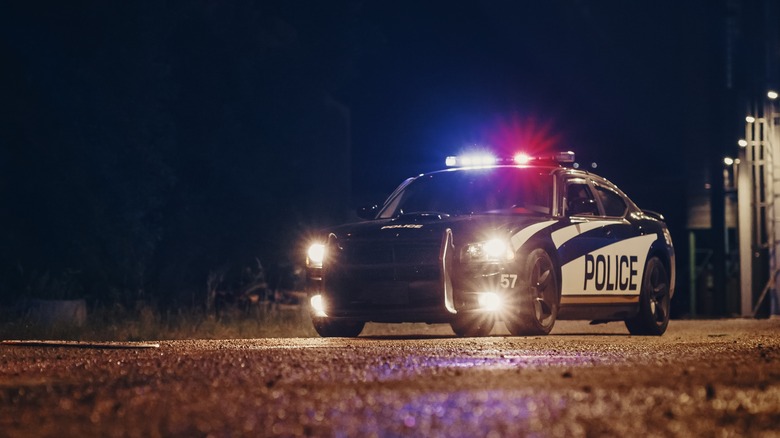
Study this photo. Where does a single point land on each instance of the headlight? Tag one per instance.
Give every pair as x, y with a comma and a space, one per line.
493, 250
315, 255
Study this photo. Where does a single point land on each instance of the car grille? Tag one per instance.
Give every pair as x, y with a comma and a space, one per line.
384, 274
383, 253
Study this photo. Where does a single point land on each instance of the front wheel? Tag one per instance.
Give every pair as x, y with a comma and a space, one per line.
654, 301
335, 328
535, 307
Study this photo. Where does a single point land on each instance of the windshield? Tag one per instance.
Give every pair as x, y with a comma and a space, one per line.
507, 190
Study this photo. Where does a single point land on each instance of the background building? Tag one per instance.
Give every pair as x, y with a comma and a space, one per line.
731, 130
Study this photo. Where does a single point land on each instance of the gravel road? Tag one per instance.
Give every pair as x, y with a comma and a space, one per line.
703, 378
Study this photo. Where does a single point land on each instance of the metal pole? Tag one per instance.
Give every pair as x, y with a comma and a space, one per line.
773, 146
692, 270
745, 228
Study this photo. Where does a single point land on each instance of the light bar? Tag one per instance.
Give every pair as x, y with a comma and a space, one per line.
474, 160
520, 158
564, 157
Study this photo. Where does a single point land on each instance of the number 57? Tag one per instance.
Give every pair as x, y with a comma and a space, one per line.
508, 281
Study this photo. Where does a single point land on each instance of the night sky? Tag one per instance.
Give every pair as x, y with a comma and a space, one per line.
143, 144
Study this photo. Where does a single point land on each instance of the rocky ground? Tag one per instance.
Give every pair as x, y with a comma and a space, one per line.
703, 378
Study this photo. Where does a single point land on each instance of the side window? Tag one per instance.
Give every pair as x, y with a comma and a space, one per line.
579, 199
613, 204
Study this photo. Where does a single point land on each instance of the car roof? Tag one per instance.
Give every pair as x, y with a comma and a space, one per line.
551, 168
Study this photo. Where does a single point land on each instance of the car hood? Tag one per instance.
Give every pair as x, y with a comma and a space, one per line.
465, 229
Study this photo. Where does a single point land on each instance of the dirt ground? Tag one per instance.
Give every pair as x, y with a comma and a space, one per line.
703, 378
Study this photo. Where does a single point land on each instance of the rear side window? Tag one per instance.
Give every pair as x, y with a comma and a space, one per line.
613, 204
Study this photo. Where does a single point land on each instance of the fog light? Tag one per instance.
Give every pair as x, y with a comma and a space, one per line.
318, 305
489, 301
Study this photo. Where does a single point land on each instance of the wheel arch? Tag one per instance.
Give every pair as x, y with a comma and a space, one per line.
549, 248
537, 307
659, 250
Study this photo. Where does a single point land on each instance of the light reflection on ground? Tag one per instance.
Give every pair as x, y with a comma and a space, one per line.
481, 412
475, 413
417, 364
508, 361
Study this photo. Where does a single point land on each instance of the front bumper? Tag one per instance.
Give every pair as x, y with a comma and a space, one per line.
409, 282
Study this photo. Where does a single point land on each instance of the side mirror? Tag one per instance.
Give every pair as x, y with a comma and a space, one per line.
583, 207
368, 213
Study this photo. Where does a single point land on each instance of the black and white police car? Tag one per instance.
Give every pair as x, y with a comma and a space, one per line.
525, 241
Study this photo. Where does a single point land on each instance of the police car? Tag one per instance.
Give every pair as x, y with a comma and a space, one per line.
525, 241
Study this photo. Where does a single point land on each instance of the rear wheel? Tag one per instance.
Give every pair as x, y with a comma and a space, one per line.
536, 304
335, 328
473, 324
654, 299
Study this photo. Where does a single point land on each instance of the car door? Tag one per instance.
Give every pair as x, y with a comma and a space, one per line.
624, 260
587, 230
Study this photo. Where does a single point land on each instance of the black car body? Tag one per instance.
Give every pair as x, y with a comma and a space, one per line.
523, 244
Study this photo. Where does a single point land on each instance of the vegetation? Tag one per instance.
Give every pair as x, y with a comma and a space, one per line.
145, 147
146, 324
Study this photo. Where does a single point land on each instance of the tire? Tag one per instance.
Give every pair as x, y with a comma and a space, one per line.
653, 316
473, 324
535, 307
335, 328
